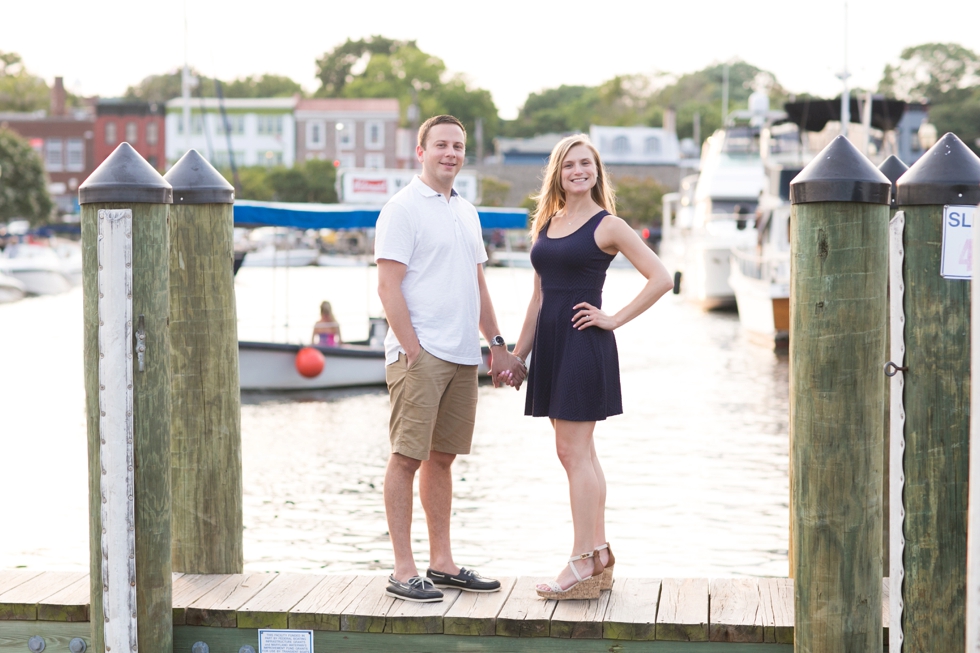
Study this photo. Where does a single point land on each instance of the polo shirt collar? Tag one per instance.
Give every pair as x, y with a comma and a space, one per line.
424, 189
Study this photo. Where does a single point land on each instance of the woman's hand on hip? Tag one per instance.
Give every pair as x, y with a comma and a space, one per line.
590, 316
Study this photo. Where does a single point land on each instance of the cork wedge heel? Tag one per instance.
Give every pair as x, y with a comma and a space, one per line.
607, 571
583, 588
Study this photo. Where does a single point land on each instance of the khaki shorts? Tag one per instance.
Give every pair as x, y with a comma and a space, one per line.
433, 406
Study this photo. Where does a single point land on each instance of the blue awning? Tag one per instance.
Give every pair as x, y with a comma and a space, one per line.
349, 216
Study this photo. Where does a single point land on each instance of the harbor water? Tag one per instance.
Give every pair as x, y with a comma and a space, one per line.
697, 467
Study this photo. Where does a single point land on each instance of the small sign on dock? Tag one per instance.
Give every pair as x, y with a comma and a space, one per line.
285, 641
957, 260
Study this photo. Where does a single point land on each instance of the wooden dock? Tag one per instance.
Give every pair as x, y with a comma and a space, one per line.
352, 613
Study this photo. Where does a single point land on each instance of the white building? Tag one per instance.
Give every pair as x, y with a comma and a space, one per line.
636, 145
262, 131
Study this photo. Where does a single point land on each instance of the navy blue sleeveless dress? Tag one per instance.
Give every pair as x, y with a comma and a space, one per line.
574, 375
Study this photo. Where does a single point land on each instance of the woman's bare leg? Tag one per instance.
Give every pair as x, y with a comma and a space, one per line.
586, 491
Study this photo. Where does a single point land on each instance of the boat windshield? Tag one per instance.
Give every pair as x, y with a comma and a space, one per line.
738, 209
741, 140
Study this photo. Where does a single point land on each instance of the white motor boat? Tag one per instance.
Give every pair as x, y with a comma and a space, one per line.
273, 257
760, 278
717, 213
10, 289
71, 260
38, 267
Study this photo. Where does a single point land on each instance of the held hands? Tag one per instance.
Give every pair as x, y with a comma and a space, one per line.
590, 316
506, 368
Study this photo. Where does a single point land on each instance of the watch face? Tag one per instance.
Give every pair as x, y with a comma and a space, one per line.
497, 341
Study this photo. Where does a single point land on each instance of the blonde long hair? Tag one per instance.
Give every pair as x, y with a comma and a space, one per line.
551, 199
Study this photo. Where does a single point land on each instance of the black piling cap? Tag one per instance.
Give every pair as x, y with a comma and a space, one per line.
840, 174
195, 181
893, 168
949, 173
125, 176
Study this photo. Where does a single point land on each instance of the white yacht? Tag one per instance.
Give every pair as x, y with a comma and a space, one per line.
38, 267
718, 213
10, 289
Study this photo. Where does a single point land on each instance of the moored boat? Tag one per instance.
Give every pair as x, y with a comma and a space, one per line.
38, 267
11, 289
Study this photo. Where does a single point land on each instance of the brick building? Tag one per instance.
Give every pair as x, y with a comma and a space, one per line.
356, 133
63, 138
141, 124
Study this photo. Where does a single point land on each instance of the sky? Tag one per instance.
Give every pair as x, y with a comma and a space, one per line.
512, 48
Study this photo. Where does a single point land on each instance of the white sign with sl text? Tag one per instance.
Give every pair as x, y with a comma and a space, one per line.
285, 641
957, 260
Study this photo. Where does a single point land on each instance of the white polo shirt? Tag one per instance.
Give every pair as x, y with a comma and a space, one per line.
441, 243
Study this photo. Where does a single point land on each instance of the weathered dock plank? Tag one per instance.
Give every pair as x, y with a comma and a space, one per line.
69, 604
409, 618
269, 608
19, 603
525, 614
475, 613
683, 612
189, 588
320, 609
219, 606
11, 578
579, 619
776, 596
368, 608
632, 611
232, 639
735, 611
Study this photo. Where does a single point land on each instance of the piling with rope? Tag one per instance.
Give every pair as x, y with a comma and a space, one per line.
206, 415
125, 250
892, 168
838, 236
936, 393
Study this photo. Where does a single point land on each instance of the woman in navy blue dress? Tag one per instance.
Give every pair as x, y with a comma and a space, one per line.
574, 372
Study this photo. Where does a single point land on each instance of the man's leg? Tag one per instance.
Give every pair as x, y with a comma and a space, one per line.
436, 492
399, 478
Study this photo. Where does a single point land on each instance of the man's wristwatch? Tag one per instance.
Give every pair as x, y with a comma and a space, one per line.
497, 341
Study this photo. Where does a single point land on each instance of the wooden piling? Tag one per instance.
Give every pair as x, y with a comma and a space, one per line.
837, 311
937, 402
206, 417
892, 168
126, 181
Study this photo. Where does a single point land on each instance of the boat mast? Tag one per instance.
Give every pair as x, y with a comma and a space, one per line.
845, 97
185, 89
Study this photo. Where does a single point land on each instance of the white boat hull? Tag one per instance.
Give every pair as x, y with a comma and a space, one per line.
763, 306
281, 258
11, 289
272, 366
41, 281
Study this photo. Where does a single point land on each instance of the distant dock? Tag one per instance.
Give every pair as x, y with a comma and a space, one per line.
352, 613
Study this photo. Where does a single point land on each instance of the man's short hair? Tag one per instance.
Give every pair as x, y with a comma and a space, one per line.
438, 120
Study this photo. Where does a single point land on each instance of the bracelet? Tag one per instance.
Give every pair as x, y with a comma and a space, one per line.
521, 361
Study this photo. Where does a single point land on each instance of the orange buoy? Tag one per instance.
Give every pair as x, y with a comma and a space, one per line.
309, 362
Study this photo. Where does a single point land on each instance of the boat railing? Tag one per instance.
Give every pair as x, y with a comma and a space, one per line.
761, 264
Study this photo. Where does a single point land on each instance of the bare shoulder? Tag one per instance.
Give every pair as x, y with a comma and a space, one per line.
613, 232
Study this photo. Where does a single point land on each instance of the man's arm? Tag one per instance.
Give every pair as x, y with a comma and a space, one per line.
390, 277
501, 360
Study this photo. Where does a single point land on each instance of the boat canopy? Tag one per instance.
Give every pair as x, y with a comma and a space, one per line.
813, 114
349, 216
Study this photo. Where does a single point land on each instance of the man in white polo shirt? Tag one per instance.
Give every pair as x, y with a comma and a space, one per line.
429, 250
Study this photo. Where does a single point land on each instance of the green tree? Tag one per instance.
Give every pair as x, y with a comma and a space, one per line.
945, 75
494, 191
161, 88
19, 89
23, 185
639, 201
379, 67
266, 85
627, 100
311, 181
